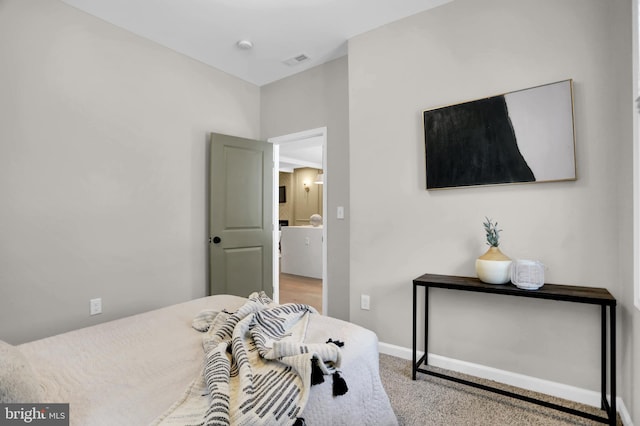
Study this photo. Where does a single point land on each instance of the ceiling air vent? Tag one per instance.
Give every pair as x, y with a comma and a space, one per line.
298, 59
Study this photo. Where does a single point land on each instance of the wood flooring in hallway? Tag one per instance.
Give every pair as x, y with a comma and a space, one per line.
298, 289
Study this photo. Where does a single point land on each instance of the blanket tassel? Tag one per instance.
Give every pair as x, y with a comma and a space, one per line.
339, 385
338, 343
317, 376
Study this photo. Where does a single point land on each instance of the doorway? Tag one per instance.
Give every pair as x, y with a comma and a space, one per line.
299, 150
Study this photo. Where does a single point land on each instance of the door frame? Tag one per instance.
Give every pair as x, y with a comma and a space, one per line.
320, 132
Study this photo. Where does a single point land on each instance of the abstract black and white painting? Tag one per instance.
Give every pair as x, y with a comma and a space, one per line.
521, 136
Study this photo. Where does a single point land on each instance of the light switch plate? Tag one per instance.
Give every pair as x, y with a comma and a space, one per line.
364, 302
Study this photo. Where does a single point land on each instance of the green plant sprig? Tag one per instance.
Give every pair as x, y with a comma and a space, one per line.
493, 233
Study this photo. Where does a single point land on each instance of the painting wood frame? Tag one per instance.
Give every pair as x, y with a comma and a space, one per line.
518, 137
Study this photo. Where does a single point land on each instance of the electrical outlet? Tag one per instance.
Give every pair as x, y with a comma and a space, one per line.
364, 302
95, 306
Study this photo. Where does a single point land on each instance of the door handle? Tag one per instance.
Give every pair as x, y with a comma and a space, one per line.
216, 240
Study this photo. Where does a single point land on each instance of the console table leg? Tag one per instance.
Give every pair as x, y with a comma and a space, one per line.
603, 356
426, 326
613, 416
415, 320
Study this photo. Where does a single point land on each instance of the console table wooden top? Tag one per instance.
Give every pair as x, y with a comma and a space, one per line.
569, 293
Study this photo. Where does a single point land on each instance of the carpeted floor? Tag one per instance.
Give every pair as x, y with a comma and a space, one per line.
432, 401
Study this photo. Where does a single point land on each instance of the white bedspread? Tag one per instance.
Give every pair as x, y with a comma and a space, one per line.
121, 373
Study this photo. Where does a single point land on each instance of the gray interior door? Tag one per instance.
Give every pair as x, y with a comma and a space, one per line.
240, 216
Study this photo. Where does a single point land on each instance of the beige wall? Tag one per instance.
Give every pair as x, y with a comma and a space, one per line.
306, 203
317, 98
103, 167
629, 343
300, 204
466, 50
285, 210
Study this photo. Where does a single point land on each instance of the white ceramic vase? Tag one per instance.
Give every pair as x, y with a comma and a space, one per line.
315, 220
494, 267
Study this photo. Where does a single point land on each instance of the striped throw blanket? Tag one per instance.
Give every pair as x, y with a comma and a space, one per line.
257, 369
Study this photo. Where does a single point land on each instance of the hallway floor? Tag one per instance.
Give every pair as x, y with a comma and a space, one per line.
298, 289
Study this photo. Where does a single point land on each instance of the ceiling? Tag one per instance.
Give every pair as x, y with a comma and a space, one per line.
301, 153
280, 30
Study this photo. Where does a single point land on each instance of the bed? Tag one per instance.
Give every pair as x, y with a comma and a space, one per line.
131, 371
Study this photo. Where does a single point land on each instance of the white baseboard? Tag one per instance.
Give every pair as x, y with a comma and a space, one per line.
547, 387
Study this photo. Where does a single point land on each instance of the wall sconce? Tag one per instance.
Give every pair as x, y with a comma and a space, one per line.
319, 180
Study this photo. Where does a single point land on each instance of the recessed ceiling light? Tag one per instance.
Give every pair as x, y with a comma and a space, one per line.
244, 44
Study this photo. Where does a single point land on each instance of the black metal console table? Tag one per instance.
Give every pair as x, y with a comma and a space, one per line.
566, 293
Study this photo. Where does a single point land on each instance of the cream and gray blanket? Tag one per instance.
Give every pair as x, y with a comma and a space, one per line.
257, 369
